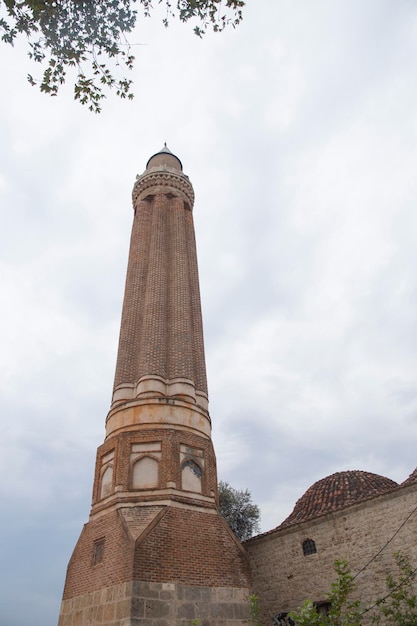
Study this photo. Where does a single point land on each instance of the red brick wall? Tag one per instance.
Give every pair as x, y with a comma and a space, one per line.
192, 548
185, 546
161, 331
117, 564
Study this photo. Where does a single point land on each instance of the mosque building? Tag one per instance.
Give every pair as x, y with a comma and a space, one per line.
155, 550
355, 516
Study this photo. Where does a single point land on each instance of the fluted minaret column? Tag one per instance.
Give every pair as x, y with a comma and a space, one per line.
161, 349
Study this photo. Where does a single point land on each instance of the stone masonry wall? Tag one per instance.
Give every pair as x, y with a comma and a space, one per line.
364, 534
156, 604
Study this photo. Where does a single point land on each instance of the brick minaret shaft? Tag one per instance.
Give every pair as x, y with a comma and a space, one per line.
155, 551
161, 333
161, 350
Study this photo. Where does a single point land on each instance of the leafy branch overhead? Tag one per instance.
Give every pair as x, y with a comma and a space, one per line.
91, 38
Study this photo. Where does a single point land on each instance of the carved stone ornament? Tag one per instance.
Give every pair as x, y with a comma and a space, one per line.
163, 181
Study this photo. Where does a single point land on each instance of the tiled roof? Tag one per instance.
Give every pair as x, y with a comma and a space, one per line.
411, 479
337, 491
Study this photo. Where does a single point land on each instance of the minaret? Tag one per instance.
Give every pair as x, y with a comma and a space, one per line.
155, 551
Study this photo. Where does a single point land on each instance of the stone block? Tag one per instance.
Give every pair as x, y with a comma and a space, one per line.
222, 610
143, 590
158, 609
186, 610
108, 612
88, 615
123, 609
98, 614
168, 596
224, 594
206, 594
89, 599
202, 610
77, 618
97, 597
241, 611
192, 594
241, 595
138, 607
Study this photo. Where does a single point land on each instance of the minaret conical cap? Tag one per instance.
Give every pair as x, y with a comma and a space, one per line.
165, 157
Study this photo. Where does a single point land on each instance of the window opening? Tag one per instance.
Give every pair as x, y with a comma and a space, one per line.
309, 547
98, 551
283, 619
323, 608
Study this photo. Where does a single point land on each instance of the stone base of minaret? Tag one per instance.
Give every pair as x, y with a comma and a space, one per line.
157, 566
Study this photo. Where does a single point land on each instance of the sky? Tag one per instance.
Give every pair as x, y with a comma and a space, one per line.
298, 131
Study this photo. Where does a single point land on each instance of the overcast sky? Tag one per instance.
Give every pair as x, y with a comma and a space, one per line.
299, 133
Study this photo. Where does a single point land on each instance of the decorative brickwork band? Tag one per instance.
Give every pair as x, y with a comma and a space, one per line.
167, 181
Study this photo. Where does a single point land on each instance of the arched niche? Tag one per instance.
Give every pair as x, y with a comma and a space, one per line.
191, 476
145, 473
106, 482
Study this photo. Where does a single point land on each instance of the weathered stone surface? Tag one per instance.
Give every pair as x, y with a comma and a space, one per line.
186, 610
158, 608
157, 604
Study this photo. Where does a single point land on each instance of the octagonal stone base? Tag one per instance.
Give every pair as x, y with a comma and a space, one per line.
157, 604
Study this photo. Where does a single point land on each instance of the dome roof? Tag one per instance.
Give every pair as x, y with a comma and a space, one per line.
336, 492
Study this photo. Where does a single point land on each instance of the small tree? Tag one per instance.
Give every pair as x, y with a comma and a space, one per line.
238, 510
399, 606
255, 610
342, 612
